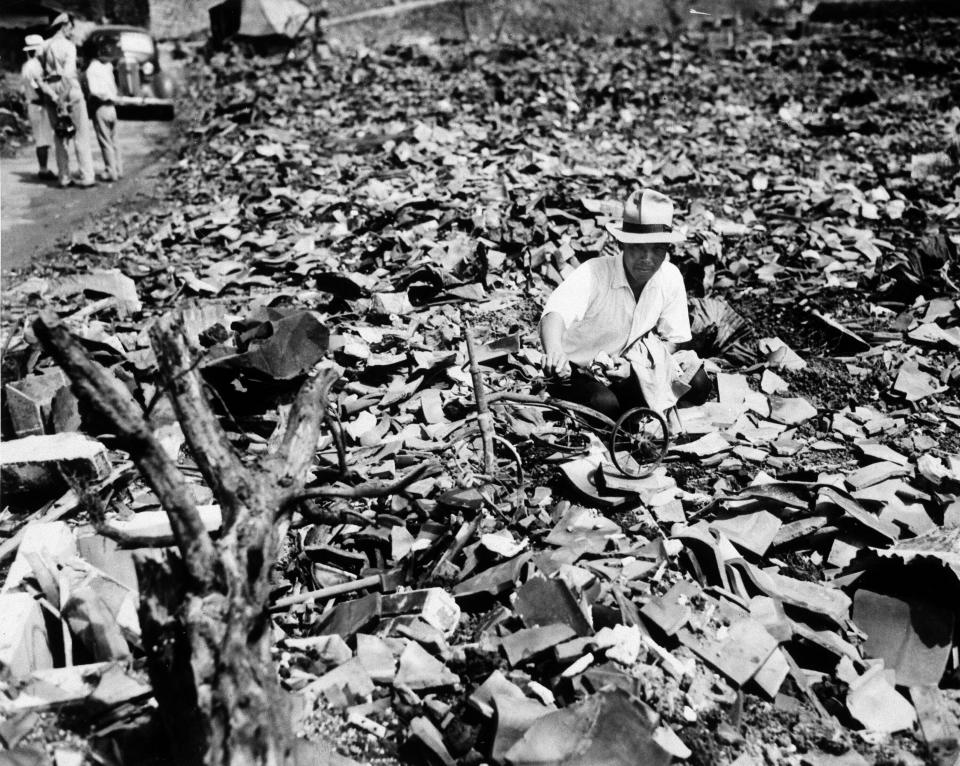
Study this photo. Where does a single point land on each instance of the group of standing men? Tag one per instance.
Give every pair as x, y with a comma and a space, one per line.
60, 112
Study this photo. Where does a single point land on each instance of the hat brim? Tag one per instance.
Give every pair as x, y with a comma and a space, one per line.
656, 237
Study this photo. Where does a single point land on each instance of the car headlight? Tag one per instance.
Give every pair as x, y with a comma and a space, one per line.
147, 68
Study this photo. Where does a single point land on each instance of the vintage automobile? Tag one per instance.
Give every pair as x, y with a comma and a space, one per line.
136, 64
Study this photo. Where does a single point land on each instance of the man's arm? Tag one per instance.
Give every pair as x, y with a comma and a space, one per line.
673, 327
555, 360
53, 76
27, 83
49, 91
567, 305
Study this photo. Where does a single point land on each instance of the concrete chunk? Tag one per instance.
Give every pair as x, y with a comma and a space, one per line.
32, 401
528, 643
426, 742
421, 670
878, 706
350, 677
496, 685
331, 650
375, 656
874, 474
38, 464
545, 602
791, 411
434, 605
155, 525
514, 717
348, 618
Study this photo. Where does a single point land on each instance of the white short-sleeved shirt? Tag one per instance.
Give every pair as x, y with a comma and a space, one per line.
32, 74
100, 81
601, 314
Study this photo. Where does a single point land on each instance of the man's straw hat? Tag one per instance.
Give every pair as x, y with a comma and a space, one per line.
647, 219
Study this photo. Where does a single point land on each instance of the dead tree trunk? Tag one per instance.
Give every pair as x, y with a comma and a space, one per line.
205, 612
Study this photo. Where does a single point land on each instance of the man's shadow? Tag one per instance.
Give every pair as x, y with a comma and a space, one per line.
31, 177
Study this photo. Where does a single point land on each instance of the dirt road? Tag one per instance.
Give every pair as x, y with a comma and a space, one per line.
34, 214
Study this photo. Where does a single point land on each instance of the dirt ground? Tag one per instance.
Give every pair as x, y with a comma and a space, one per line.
36, 214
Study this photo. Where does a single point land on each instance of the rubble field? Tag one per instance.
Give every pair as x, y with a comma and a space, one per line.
783, 587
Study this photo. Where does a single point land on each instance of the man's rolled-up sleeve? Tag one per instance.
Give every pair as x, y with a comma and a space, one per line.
674, 322
571, 299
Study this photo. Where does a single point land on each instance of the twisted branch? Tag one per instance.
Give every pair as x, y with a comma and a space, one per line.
103, 394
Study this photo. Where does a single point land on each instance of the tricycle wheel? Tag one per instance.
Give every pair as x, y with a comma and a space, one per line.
638, 442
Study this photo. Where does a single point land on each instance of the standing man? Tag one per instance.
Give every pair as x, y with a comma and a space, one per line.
38, 110
62, 85
102, 87
611, 329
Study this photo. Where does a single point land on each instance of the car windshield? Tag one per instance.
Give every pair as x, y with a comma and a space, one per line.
136, 43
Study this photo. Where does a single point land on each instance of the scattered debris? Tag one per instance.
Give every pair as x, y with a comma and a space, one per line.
764, 586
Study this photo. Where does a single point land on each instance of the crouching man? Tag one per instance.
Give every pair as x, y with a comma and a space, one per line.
611, 330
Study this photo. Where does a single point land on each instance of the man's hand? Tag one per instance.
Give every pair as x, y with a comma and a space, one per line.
619, 368
556, 363
612, 366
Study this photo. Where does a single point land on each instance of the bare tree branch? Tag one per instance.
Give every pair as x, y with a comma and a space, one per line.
100, 392
216, 458
336, 431
289, 462
128, 540
312, 514
370, 489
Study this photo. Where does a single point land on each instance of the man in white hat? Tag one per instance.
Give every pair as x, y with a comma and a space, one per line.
62, 85
38, 110
622, 316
